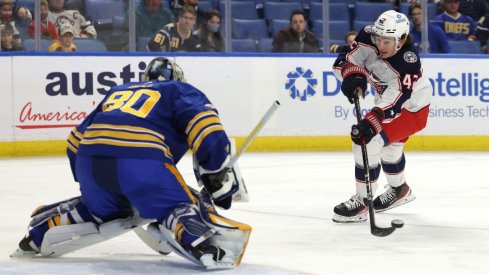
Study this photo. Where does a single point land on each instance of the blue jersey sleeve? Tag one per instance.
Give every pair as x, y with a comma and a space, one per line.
199, 119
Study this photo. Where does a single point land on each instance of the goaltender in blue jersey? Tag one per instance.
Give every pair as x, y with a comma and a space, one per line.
124, 154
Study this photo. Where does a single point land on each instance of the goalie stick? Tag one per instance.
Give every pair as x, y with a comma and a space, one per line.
153, 243
374, 229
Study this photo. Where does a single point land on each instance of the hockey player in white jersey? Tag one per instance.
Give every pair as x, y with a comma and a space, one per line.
383, 56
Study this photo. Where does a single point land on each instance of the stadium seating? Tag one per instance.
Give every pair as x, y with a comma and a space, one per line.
370, 11
278, 24
29, 4
102, 11
89, 45
280, 10
337, 11
265, 45
30, 44
142, 43
254, 29
240, 10
205, 5
337, 29
404, 8
359, 25
465, 47
243, 45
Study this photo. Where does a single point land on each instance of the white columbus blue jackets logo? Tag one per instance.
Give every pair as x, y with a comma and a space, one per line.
301, 84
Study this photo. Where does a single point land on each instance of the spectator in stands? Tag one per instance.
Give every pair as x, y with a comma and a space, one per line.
23, 14
437, 40
6, 18
59, 16
349, 38
65, 42
22, 19
211, 39
150, 17
456, 25
295, 38
8, 44
48, 30
177, 37
177, 6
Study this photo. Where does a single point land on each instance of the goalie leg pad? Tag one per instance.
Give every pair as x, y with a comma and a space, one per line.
199, 234
66, 226
60, 240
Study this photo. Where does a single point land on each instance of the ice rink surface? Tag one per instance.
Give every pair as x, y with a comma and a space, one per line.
292, 197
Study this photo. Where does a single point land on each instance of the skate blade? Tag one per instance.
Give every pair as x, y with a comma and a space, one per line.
407, 199
19, 253
342, 219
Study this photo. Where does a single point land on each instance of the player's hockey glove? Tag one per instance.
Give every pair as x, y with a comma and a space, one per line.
368, 127
354, 77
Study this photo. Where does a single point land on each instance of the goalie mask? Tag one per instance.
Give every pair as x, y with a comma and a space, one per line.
161, 69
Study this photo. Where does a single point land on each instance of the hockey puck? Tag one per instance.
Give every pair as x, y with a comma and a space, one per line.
397, 223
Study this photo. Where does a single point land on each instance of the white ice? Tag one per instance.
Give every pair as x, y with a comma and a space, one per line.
292, 197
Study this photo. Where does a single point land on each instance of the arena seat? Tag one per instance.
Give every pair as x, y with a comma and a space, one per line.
244, 45
240, 10
89, 45
337, 29
337, 11
253, 28
465, 46
278, 24
370, 11
280, 10
30, 44
265, 45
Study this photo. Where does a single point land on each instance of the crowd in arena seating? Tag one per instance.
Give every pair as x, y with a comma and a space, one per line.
455, 26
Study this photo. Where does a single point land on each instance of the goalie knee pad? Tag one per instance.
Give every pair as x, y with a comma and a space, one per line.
199, 234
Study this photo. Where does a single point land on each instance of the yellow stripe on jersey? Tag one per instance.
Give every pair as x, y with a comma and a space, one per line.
126, 128
122, 135
203, 135
72, 148
180, 180
123, 143
197, 117
201, 125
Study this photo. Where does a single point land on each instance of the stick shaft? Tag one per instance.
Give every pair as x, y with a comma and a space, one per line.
254, 133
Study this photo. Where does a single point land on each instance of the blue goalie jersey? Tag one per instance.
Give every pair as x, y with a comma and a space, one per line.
152, 120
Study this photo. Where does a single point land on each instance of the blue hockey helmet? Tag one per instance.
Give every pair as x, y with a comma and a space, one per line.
161, 68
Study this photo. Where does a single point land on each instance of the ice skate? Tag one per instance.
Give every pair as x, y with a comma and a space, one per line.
393, 197
351, 211
25, 249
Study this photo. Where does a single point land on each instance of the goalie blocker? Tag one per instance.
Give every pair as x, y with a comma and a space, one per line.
225, 184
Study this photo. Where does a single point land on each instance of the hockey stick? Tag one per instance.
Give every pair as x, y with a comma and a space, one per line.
259, 126
254, 133
374, 229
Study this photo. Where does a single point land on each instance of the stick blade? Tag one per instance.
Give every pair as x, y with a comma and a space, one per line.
382, 232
